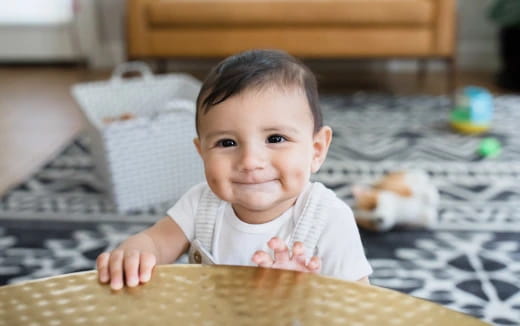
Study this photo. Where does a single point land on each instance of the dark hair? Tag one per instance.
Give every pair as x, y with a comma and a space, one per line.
256, 69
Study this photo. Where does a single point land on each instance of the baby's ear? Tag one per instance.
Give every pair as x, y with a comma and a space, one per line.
321, 145
196, 142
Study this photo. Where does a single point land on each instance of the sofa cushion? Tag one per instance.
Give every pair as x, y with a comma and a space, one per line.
290, 12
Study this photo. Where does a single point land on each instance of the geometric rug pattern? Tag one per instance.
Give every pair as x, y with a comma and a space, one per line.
473, 272
61, 218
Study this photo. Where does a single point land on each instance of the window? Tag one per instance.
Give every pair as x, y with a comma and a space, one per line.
36, 12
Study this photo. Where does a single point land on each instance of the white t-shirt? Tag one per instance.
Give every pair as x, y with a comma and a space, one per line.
235, 242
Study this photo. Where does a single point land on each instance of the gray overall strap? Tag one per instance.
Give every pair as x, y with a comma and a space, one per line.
206, 218
312, 221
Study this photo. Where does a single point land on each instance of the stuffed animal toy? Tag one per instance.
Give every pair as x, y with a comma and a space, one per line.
399, 198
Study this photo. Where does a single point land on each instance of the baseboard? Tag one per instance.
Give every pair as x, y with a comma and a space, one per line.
37, 43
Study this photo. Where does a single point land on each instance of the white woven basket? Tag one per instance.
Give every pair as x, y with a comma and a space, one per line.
150, 158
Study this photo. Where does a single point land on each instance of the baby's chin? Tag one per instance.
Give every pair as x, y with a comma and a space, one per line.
263, 203
257, 213
256, 200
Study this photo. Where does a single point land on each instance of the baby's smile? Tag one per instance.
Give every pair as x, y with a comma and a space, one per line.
260, 186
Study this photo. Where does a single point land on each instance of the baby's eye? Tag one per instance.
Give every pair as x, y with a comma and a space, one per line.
276, 139
226, 143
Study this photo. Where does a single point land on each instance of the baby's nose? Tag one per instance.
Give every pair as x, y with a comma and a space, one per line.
251, 158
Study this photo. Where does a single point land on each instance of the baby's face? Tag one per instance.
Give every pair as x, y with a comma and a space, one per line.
259, 150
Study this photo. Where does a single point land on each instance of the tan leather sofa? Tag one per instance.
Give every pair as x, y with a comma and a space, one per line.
305, 28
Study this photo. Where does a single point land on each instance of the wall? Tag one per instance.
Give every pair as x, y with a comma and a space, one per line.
37, 30
110, 15
477, 40
478, 35
90, 30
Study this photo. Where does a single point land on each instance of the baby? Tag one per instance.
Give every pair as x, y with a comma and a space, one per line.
260, 135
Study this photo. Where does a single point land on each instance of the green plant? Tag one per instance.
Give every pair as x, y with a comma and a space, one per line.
506, 13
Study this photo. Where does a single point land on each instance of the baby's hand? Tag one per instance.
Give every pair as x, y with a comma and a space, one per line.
283, 259
121, 266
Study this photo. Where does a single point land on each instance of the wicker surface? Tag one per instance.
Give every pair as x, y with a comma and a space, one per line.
216, 295
141, 132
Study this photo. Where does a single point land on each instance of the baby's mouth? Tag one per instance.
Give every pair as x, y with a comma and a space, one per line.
257, 186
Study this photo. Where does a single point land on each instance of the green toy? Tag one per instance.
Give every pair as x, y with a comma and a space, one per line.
489, 147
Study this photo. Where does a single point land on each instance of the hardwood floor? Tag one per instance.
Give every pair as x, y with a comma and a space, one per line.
38, 116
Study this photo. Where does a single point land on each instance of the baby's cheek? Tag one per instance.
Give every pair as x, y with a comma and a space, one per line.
213, 179
218, 188
298, 177
211, 167
212, 176
300, 173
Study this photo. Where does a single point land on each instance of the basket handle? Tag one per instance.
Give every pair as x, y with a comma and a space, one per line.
181, 106
131, 66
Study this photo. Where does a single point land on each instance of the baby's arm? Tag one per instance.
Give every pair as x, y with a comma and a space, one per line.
283, 259
132, 262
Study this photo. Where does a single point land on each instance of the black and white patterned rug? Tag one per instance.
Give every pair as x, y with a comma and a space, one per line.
60, 219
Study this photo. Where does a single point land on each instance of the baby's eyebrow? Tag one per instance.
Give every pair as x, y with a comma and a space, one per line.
282, 129
218, 133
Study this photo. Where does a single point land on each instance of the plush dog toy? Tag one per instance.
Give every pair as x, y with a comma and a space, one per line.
399, 198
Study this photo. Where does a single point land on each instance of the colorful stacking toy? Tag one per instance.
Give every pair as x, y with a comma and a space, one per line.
473, 110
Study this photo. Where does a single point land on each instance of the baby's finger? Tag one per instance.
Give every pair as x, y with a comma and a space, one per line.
116, 269
262, 259
298, 253
102, 267
314, 264
281, 252
131, 267
146, 265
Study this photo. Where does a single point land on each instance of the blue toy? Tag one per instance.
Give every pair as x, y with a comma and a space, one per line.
473, 110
